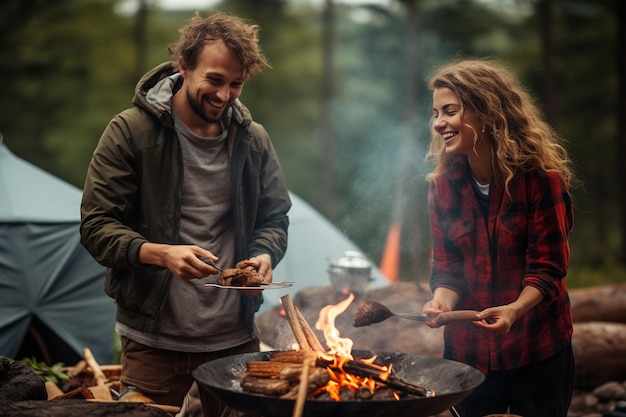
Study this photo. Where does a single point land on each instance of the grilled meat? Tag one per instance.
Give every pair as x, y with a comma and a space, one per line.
242, 275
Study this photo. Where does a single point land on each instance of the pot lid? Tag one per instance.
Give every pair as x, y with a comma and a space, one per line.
353, 259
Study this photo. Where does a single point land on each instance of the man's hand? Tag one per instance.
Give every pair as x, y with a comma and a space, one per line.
263, 265
184, 261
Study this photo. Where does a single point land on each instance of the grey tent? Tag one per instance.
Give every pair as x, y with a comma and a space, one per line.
47, 276
51, 289
314, 242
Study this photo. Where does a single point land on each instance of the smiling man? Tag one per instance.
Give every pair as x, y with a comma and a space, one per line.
181, 183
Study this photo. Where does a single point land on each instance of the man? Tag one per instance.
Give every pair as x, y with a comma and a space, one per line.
182, 182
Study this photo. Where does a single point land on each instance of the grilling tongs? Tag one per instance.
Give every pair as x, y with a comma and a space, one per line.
374, 312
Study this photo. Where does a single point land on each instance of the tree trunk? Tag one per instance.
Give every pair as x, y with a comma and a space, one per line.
621, 120
328, 39
547, 52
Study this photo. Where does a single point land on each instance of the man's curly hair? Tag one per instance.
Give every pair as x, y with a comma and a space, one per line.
239, 36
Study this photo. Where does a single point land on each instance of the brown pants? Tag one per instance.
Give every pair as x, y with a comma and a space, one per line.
165, 375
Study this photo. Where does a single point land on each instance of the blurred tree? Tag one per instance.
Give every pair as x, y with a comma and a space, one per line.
71, 64
327, 94
586, 99
621, 120
41, 63
544, 11
64, 60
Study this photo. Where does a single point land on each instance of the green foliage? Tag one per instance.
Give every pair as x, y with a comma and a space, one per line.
581, 277
54, 373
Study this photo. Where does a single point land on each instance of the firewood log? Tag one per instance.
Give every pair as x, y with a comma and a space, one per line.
267, 386
599, 303
316, 379
78, 409
599, 353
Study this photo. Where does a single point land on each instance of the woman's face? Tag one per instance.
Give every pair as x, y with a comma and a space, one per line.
457, 126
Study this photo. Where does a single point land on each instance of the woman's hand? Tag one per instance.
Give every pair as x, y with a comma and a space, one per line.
444, 300
499, 319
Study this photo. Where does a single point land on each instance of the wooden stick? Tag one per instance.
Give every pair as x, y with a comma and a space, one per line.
359, 368
100, 390
292, 318
309, 334
302, 390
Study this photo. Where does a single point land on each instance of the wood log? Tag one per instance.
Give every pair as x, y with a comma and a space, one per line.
266, 386
78, 408
293, 356
315, 380
291, 373
363, 369
599, 353
292, 318
267, 369
605, 303
80, 393
309, 334
53, 390
77, 369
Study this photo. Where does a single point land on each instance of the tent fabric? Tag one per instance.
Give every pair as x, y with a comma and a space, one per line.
314, 242
44, 270
48, 199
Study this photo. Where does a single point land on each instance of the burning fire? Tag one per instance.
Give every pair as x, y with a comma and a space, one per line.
340, 352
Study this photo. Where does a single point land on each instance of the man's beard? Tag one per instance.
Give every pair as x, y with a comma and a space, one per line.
199, 110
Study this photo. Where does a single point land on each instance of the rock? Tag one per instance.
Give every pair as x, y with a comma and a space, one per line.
610, 391
18, 382
392, 335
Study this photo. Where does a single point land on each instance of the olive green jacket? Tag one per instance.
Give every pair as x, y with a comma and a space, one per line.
132, 195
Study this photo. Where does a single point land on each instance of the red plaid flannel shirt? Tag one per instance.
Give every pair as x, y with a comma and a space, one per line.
524, 243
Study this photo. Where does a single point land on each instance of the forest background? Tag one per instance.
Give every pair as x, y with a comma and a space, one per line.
345, 102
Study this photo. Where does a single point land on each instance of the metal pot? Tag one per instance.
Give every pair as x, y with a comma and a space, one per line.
452, 382
351, 273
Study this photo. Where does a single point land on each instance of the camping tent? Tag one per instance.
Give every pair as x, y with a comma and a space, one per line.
46, 276
314, 242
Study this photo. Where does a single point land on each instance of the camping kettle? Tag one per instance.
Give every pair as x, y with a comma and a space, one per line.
350, 273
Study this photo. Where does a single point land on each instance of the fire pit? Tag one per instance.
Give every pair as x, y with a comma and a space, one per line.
452, 381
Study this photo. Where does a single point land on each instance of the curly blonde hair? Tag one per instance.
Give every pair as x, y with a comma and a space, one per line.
522, 140
239, 36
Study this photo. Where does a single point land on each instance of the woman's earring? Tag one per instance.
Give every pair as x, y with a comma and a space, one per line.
483, 130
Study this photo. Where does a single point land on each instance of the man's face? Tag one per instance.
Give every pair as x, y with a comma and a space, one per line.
215, 82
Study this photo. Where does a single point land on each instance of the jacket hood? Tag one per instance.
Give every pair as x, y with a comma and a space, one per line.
155, 89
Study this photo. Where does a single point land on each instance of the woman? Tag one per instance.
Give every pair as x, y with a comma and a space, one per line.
500, 218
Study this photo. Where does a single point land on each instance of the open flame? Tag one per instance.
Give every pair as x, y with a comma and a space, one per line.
340, 352
337, 345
